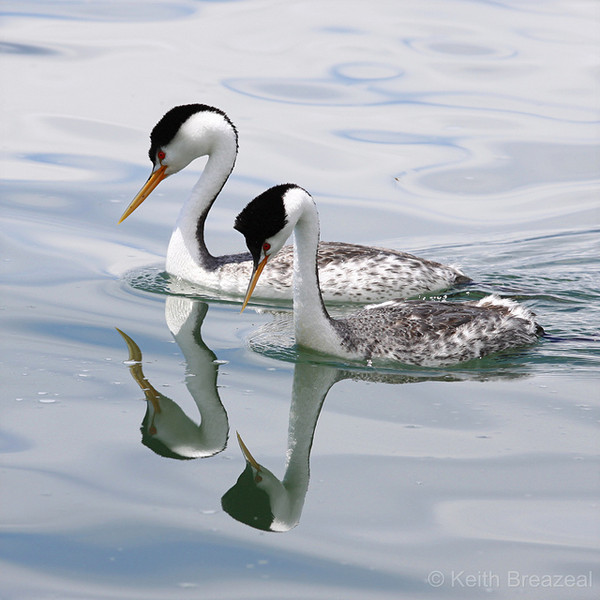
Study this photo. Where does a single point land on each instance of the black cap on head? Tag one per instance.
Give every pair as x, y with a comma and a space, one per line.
166, 129
262, 218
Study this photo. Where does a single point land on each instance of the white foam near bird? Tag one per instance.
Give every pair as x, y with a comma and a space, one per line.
418, 332
349, 272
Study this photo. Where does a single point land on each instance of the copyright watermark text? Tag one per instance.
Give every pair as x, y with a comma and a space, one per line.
489, 579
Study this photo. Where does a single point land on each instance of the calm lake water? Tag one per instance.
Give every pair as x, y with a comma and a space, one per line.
463, 131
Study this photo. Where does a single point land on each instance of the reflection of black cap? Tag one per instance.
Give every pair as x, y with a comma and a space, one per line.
248, 504
151, 441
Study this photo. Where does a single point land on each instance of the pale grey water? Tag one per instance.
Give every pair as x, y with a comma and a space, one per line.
462, 131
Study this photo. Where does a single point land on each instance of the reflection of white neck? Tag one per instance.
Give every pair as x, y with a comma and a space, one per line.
178, 432
187, 249
311, 384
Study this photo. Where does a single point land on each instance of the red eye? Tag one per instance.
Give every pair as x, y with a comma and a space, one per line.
161, 155
266, 246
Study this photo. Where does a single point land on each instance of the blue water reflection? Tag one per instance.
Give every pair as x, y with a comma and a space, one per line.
103, 10
26, 49
169, 555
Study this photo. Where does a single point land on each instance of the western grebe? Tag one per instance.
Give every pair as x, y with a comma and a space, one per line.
349, 272
416, 332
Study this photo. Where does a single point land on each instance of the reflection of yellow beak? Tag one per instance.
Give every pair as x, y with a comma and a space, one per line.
254, 281
247, 454
154, 179
135, 357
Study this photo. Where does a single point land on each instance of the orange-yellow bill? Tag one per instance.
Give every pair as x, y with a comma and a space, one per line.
154, 179
247, 454
254, 281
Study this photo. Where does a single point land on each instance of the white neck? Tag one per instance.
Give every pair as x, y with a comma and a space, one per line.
187, 247
312, 323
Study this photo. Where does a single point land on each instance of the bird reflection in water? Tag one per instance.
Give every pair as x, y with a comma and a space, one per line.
166, 429
263, 501
259, 498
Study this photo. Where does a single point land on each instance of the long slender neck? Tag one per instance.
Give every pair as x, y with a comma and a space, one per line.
312, 323
188, 237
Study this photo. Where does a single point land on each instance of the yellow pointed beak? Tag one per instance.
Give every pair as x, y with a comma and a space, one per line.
246, 453
254, 281
154, 179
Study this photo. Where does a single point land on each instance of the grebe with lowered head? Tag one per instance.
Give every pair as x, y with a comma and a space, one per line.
349, 272
418, 332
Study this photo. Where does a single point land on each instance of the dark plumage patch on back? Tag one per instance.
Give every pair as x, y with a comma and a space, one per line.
166, 129
263, 217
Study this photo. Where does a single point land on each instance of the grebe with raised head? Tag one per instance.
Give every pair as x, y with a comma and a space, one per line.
418, 332
349, 272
